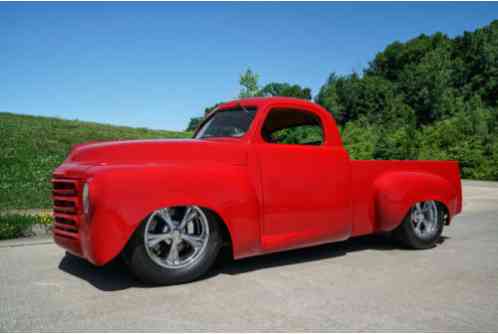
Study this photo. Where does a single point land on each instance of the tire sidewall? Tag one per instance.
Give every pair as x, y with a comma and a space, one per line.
410, 238
150, 272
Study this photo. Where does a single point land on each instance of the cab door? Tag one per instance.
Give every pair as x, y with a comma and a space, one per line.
305, 183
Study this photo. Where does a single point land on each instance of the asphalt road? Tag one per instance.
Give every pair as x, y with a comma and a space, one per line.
362, 284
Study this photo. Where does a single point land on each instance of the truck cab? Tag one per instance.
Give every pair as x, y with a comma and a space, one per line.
296, 147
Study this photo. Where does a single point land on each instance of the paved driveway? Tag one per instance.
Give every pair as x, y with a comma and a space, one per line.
361, 284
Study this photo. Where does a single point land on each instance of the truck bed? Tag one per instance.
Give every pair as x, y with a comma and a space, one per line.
366, 172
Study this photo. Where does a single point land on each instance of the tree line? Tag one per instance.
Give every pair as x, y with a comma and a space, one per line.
432, 97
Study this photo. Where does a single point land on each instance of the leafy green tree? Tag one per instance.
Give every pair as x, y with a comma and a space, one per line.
476, 63
359, 139
391, 62
467, 137
249, 82
350, 97
424, 84
194, 123
432, 97
285, 89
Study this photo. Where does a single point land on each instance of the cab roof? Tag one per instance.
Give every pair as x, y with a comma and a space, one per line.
261, 101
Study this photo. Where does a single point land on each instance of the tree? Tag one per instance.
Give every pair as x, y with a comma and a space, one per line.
432, 97
350, 97
359, 139
285, 89
249, 82
476, 60
194, 123
391, 62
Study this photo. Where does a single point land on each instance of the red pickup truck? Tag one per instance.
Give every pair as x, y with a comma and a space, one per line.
260, 175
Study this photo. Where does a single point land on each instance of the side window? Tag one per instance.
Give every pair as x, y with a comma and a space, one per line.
292, 126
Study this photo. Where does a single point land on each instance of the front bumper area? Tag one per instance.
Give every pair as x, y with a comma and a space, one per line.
71, 230
98, 238
67, 212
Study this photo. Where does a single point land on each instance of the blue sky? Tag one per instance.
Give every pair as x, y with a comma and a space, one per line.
158, 64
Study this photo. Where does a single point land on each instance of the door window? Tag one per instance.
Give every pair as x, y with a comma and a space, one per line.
291, 126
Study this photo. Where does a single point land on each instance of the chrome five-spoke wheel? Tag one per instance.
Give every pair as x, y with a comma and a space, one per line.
422, 226
174, 245
425, 219
175, 237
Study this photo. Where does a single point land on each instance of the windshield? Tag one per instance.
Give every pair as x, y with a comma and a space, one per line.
227, 123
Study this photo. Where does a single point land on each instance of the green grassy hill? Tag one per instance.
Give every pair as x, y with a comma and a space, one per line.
31, 147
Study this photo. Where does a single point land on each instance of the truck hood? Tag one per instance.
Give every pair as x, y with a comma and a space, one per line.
159, 151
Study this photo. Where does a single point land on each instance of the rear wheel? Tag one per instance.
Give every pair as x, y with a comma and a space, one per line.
174, 245
423, 225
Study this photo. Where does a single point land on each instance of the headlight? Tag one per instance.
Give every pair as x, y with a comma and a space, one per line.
86, 199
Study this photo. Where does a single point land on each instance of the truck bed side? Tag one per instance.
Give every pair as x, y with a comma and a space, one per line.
366, 173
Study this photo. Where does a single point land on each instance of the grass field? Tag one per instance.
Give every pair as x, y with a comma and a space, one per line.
32, 146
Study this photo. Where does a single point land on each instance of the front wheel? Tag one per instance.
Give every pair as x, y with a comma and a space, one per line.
422, 226
174, 245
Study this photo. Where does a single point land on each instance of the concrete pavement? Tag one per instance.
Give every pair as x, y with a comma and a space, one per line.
361, 284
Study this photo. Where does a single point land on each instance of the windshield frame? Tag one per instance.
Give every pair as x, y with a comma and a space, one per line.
227, 109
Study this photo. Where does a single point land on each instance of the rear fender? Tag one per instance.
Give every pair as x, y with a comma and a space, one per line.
397, 192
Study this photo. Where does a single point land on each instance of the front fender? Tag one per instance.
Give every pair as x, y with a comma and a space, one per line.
397, 192
123, 196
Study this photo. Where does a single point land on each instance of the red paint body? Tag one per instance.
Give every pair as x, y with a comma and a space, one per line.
271, 197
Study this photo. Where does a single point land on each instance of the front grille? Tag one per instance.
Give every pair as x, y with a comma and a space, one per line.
64, 188
66, 207
66, 224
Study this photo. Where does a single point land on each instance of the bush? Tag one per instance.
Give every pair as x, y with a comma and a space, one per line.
466, 137
17, 225
359, 140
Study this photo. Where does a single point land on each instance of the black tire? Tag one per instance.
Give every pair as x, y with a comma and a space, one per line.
405, 232
149, 272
